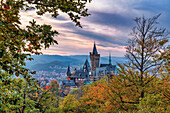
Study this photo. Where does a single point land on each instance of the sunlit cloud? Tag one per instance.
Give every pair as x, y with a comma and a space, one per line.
109, 26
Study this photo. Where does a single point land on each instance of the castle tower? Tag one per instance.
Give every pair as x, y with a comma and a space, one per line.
95, 58
68, 73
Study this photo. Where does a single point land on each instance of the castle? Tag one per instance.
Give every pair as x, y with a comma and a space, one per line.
89, 74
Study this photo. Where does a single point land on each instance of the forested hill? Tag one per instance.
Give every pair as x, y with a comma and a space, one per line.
48, 62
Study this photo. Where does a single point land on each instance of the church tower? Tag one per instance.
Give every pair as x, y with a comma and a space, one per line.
95, 58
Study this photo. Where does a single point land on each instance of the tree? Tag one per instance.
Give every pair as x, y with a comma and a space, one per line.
15, 95
18, 44
94, 98
144, 50
69, 104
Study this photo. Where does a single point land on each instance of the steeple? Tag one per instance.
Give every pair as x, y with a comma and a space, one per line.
94, 49
68, 70
110, 59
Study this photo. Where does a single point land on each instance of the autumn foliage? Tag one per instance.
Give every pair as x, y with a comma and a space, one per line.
141, 85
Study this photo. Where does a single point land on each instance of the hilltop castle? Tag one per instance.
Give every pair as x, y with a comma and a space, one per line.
88, 74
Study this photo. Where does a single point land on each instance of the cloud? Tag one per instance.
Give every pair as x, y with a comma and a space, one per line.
109, 25
112, 20
152, 5
92, 36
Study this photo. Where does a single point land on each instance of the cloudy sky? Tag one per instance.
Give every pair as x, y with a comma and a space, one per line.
108, 25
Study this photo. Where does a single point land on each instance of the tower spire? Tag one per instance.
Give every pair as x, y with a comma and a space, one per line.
94, 49
68, 70
110, 59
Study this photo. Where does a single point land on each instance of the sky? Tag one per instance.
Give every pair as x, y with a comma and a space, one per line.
109, 25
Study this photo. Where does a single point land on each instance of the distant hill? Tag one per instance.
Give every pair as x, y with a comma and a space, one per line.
51, 62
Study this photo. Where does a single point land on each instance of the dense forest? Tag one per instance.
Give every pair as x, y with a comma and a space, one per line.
136, 88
